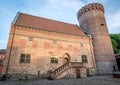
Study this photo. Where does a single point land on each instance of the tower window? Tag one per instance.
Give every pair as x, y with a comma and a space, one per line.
102, 24
84, 58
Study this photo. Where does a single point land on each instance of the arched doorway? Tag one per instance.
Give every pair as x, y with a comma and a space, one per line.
66, 58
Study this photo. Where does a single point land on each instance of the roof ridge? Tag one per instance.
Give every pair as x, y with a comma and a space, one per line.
47, 24
46, 18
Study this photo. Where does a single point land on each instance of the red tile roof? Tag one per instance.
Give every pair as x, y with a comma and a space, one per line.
48, 24
2, 56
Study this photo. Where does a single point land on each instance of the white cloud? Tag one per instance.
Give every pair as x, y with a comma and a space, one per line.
113, 21
70, 4
3, 44
66, 11
3, 41
6, 19
98, 1
62, 10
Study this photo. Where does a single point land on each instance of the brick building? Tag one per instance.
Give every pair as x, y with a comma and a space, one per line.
117, 56
41, 46
2, 56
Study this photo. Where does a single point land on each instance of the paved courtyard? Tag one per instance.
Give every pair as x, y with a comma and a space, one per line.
96, 80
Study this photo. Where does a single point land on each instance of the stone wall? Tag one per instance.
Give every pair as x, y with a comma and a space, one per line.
1, 67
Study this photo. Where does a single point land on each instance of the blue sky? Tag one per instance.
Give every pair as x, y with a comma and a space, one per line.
61, 10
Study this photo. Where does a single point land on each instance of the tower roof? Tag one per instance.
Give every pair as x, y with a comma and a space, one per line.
47, 24
89, 8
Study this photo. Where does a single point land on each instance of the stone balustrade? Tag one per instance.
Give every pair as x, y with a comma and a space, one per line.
64, 67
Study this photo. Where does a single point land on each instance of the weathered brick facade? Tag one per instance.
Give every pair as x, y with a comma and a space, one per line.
43, 38
2, 56
44, 45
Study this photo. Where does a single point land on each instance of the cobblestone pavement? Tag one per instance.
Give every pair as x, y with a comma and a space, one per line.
96, 80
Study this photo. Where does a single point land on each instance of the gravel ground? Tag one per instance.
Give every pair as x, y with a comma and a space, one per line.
95, 80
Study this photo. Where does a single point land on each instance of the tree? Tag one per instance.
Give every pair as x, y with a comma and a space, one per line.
115, 39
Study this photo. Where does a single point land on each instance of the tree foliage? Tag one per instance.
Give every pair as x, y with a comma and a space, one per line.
115, 39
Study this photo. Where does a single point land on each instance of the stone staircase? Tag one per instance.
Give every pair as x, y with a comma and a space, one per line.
54, 74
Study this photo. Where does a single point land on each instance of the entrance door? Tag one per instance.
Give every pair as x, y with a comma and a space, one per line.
78, 73
65, 60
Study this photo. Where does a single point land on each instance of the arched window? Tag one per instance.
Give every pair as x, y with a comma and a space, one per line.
84, 59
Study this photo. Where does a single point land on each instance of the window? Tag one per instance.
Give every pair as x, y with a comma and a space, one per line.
1, 62
54, 41
30, 38
81, 44
84, 59
54, 59
102, 24
25, 58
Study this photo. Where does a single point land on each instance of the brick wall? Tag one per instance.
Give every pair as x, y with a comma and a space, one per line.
1, 68
44, 45
93, 22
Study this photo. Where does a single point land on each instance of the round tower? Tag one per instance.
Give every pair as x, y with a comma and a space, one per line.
92, 20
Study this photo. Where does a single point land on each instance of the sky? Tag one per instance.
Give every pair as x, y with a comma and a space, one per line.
60, 10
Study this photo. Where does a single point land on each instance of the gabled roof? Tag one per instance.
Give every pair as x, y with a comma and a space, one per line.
47, 24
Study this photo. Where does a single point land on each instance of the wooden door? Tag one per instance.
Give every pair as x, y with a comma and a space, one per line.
65, 60
78, 73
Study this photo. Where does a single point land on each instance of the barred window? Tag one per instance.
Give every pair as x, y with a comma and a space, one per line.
84, 58
54, 59
25, 58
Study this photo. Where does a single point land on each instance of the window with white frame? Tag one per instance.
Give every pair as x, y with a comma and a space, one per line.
54, 59
25, 58
84, 59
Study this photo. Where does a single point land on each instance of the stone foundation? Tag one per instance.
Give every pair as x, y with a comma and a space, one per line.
105, 67
91, 71
20, 76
